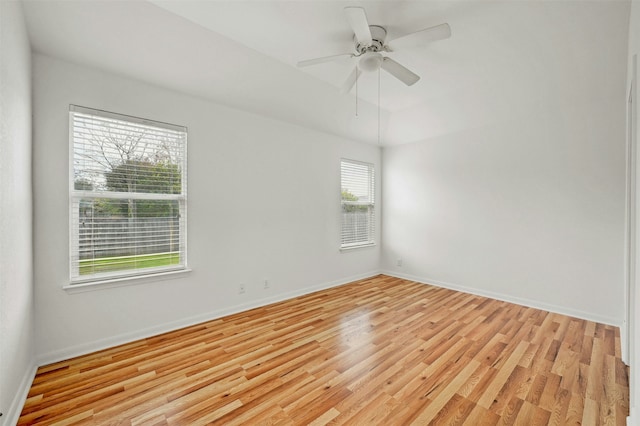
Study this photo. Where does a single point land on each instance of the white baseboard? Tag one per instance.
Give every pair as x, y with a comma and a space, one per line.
632, 419
511, 299
11, 417
86, 348
624, 343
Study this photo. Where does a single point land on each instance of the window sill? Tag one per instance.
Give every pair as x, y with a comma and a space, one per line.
124, 281
357, 247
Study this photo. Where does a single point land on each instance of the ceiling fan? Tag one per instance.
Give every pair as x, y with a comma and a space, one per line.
370, 42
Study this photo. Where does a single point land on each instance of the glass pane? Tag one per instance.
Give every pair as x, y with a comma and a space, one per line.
115, 235
119, 156
357, 224
356, 181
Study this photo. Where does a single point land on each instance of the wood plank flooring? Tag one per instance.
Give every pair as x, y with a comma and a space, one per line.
380, 351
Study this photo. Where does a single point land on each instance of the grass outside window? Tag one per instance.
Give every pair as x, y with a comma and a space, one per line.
118, 263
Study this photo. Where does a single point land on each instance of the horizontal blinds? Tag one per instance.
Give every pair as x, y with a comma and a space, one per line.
128, 195
358, 203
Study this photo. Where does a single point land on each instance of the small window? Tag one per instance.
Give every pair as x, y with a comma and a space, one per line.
358, 204
128, 194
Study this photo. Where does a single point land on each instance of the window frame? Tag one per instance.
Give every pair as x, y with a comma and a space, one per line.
371, 228
77, 280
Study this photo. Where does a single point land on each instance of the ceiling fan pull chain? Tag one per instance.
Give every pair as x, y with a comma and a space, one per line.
378, 106
357, 91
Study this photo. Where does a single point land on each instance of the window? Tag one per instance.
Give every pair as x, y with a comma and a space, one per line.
128, 197
358, 207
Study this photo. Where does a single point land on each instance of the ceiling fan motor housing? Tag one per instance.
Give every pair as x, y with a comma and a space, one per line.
378, 36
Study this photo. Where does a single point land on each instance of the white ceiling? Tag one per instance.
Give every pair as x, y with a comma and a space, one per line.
501, 56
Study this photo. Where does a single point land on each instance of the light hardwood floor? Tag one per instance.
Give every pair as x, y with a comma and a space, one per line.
378, 351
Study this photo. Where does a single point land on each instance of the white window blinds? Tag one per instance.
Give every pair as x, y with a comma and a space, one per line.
128, 191
358, 203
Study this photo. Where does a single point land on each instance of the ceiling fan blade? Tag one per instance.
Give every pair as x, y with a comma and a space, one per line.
322, 60
350, 81
359, 24
400, 72
428, 35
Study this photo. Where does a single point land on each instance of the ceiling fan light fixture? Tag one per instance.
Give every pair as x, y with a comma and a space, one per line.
370, 61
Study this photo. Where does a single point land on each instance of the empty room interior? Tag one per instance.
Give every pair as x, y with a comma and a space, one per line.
319, 212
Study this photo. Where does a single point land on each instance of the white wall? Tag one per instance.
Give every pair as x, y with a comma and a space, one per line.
16, 285
528, 208
263, 202
634, 294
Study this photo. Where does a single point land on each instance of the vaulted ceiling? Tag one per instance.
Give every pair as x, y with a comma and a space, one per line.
502, 56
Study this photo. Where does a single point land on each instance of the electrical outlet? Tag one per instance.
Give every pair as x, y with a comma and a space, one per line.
266, 284
399, 261
241, 289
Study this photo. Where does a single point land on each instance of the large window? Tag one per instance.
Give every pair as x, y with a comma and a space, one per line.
358, 204
127, 196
